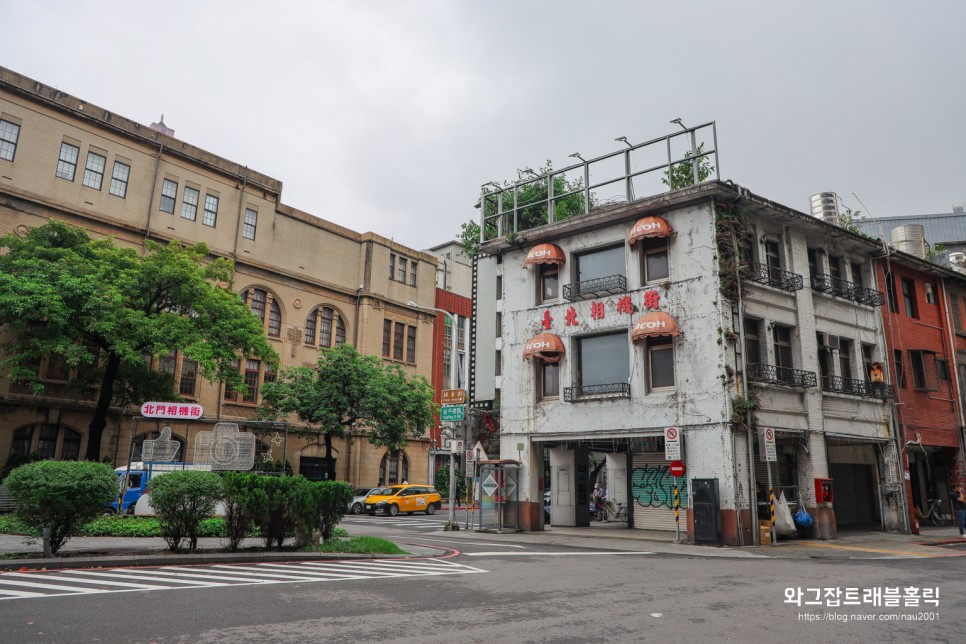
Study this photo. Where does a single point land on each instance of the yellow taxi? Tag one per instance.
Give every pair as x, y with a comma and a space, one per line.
403, 498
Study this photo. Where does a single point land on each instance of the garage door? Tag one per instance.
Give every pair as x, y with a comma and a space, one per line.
652, 493
853, 494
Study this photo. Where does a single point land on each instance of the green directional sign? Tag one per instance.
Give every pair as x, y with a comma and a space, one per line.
452, 413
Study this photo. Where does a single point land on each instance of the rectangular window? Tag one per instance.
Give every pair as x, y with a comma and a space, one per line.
909, 297
119, 178
189, 377
929, 288
942, 369
47, 445
857, 273
835, 267
411, 345
655, 258
549, 283
773, 260
918, 369
900, 372
310, 328
169, 192
167, 363
868, 357
499, 287
499, 324
813, 268
460, 336
956, 308
549, 379
386, 338
251, 221
824, 361
325, 327
845, 357
603, 360
189, 204
57, 368
67, 163
9, 134
257, 303
660, 365
402, 270
397, 341
94, 171
392, 267
211, 211
602, 263
782, 336
412, 273
252, 367
752, 341
70, 449
230, 393
891, 293
22, 441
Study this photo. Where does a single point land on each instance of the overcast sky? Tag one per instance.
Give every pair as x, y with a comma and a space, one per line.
388, 116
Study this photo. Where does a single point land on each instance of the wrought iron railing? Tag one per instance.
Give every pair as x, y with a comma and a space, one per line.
782, 375
596, 392
851, 386
847, 290
610, 285
776, 277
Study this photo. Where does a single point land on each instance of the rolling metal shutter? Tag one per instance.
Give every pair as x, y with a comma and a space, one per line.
652, 490
843, 486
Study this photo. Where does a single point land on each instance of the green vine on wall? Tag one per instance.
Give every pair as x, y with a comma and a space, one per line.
732, 229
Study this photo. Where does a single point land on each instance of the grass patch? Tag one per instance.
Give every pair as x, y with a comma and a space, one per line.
363, 545
115, 526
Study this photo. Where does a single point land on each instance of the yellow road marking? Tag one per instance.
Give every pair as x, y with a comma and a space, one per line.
820, 544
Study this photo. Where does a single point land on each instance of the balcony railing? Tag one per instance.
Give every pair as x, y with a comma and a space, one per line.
847, 290
782, 376
776, 277
853, 387
597, 392
610, 285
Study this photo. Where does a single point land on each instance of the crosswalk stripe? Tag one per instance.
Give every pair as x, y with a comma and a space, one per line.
98, 582
422, 570
313, 572
271, 572
33, 584
121, 575
20, 593
175, 577
353, 569
201, 574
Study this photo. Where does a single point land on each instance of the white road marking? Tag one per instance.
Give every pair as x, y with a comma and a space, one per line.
552, 554
223, 575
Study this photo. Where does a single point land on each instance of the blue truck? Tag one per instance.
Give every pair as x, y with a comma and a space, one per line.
133, 484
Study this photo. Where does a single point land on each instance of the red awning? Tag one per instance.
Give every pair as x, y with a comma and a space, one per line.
545, 346
545, 254
654, 325
649, 227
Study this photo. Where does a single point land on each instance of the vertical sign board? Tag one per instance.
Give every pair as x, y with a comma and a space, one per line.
769, 452
672, 444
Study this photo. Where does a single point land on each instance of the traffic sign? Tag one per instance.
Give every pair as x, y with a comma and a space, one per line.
672, 444
677, 469
469, 456
452, 413
453, 397
769, 453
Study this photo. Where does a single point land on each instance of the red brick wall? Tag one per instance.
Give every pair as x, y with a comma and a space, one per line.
458, 305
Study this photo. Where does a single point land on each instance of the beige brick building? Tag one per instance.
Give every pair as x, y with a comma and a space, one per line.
312, 281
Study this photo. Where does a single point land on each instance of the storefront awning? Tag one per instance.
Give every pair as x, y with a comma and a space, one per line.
545, 254
545, 346
649, 227
655, 324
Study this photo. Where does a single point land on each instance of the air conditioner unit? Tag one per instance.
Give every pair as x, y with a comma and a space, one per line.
828, 341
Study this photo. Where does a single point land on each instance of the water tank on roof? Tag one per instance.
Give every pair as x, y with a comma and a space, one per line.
825, 206
911, 239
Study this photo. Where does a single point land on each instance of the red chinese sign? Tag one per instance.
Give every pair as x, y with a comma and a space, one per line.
571, 316
598, 310
172, 410
547, 320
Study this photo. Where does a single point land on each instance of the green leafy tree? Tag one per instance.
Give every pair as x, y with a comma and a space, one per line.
332, 500
346, 389
532, 206
681, 175
102, 308
849, 220
181, 501
61, 495
442, 482
240, 499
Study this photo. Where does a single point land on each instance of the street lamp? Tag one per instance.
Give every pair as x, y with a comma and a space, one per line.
451, 515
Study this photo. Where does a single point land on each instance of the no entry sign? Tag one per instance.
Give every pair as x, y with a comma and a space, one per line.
677, 469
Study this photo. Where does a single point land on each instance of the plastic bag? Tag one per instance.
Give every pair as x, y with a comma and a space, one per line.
803, 518
784, 524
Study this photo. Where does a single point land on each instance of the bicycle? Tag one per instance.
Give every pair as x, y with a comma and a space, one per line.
934, 513
620, 514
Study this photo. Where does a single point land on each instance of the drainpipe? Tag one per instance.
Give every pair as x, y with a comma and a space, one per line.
241, 206
154, 186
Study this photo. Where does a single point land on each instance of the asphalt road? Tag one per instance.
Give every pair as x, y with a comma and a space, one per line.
501, 589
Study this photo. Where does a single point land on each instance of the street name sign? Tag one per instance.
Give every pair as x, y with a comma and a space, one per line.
452, 413
453, 397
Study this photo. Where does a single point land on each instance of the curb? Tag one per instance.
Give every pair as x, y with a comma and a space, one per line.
135, 560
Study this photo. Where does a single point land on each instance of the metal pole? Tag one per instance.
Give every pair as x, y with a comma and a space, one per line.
771, 503
451, 518
677, 512
130, 454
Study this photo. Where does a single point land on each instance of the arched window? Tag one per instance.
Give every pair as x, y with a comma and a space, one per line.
48, 436
260, 301
22, 440
394, 468
319, 326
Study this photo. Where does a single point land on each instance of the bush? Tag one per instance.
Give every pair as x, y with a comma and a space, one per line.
332, 500
61, 495
283, 505
442, 482
243, 500
181, 501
